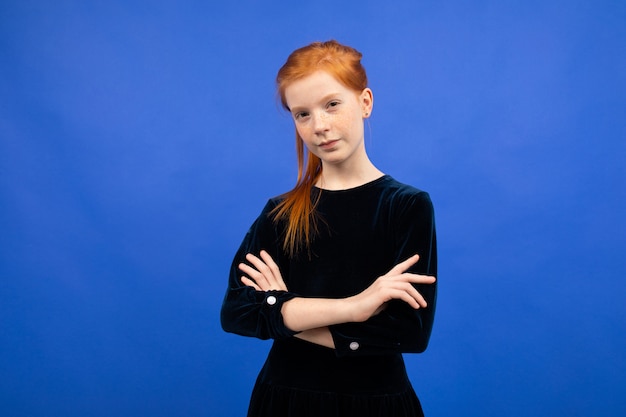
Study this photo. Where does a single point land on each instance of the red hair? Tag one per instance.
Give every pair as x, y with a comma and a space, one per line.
297, 207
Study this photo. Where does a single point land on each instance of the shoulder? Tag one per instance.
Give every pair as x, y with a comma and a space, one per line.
265, 216
401, 192
276, 200
404, 201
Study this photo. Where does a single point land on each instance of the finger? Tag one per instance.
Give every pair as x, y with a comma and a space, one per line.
412, 278
417, 278
412, 291
249, 283
406, 292
404, 295
252, 273
404, 265
261, 266
416, 295
267, 258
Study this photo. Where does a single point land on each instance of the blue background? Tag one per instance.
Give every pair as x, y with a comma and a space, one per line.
140, 139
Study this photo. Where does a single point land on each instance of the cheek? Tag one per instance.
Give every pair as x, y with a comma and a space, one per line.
304, 132
349, 123
307, 137
343, 119
309, 145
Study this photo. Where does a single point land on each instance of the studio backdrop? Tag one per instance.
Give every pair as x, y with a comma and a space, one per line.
139, 140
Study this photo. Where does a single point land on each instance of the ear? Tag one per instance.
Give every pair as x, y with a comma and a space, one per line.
366, 98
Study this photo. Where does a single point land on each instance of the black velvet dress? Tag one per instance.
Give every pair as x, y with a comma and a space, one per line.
364, 232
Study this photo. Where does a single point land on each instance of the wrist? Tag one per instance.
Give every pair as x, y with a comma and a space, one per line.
351, 305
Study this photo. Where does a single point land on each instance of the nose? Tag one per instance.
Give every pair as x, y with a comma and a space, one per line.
320, 122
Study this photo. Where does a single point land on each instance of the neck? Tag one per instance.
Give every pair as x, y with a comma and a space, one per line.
338, 177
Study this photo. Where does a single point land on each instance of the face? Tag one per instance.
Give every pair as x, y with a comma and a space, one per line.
329, 117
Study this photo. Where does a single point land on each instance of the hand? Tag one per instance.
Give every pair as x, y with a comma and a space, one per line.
263, 275
395, 284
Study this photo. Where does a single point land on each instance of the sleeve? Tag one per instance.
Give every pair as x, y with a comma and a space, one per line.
248, 312
400, 328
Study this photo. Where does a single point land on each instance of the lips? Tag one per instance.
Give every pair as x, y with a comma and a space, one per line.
328, 144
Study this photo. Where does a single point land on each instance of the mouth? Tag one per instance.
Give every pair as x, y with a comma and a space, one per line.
328, 144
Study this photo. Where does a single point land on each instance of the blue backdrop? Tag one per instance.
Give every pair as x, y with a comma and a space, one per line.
139, 140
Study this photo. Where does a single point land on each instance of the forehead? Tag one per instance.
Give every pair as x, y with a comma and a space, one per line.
312, 88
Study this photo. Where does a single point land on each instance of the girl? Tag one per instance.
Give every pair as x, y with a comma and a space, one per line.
340, 271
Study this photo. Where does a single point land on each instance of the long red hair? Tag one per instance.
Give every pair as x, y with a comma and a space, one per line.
297, 207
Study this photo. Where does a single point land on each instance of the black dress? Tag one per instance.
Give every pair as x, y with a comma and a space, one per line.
364, 232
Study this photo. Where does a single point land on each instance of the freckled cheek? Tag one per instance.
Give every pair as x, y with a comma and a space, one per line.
342, 120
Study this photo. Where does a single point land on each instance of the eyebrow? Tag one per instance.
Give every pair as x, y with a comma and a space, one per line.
322, 100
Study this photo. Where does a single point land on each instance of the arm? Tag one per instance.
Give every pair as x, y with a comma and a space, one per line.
260, 305
309, 313
400, 328
245, 310
312, 316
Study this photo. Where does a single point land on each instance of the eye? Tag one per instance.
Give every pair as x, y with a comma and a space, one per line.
333, 103
300, 115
